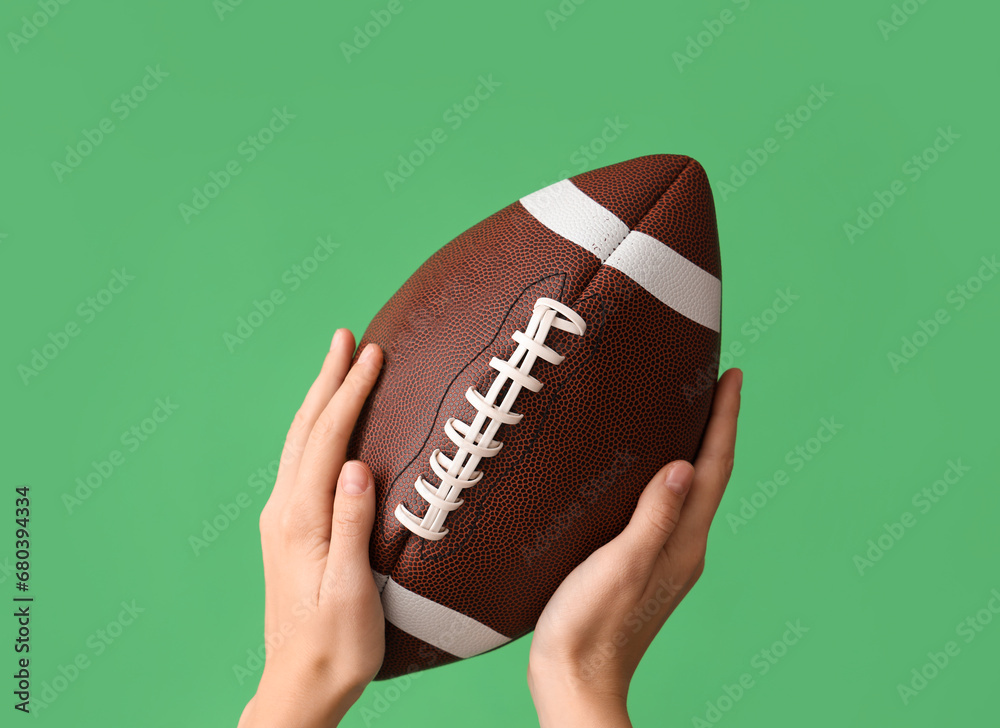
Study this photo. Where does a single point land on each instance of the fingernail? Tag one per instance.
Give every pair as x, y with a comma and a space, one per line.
333, 341
354, 479
739, 381
677, 479
368, 355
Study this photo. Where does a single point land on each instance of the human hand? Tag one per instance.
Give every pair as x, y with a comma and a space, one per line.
597, 626
323, 622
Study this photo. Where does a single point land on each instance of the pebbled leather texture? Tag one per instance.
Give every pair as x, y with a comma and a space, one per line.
632, 394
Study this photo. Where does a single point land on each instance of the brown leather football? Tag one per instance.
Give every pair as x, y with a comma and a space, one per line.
539, 369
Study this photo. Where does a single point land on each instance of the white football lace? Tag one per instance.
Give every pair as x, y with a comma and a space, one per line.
473, 443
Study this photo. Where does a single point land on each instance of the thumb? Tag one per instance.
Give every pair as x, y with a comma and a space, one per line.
353, 516
658, 510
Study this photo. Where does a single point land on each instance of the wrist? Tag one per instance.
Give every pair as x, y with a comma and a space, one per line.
299, 697
562, 698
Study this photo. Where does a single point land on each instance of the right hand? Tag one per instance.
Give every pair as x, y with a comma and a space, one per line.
601, 620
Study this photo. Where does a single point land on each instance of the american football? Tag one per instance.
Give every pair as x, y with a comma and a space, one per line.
539, 369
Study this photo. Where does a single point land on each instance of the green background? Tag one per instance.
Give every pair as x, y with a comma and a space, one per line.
562, 75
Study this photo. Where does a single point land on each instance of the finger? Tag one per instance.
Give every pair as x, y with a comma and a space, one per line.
331, 376
714, 464
719, 444
311, 497
657, 514
351, 527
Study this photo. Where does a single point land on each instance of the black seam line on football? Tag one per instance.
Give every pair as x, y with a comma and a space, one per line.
406, 533
432, 551
690, 160
687, 165
583, 285
589, 280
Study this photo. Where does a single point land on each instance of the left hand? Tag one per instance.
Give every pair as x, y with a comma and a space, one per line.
323, 621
